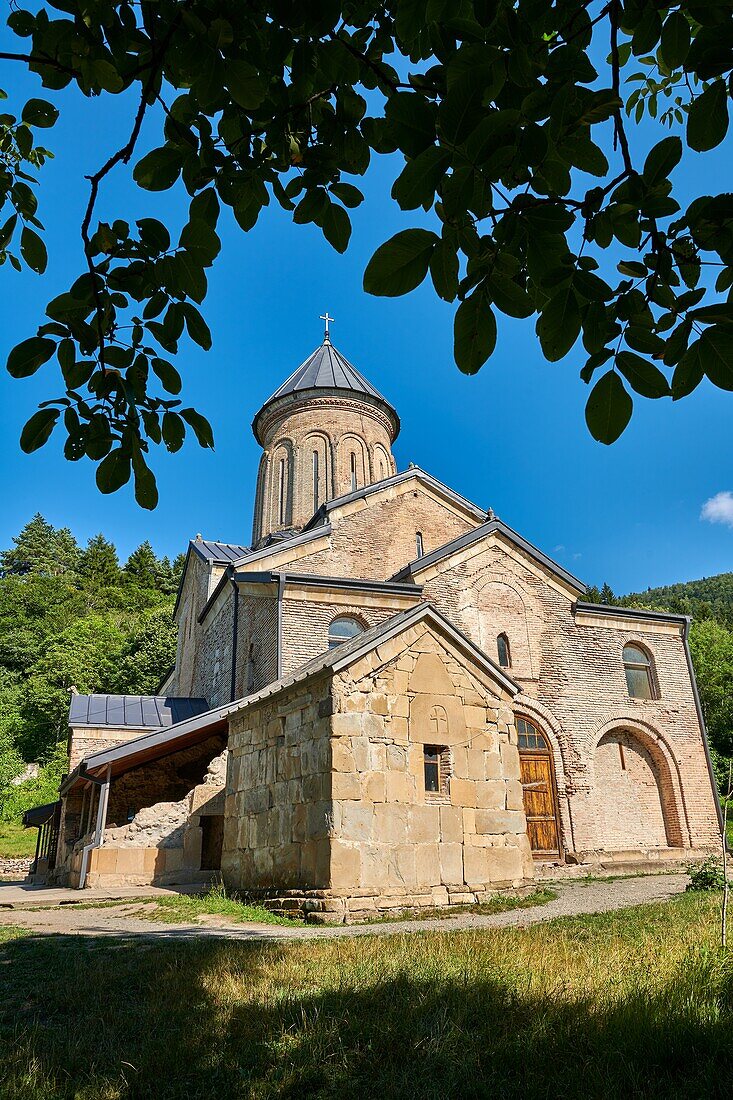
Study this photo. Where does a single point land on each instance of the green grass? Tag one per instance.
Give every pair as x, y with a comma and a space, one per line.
186, 908
15, 841
637, 1003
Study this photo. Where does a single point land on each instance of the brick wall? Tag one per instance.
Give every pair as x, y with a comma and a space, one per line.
306, 624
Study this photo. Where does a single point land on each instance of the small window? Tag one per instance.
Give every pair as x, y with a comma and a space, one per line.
418, 544
352, 462
530, 737
316, 488
502, 648
341, 630
638, 669
436, 766
281, 488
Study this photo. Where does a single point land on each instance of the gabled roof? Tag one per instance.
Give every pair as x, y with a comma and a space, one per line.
349, 652
321, 516
632, 613
328, 369
132, 711
200, 727
492, 526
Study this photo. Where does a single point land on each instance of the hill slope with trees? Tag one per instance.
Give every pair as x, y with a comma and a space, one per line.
72, 617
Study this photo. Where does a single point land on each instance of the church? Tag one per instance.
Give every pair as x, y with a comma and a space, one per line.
388, 699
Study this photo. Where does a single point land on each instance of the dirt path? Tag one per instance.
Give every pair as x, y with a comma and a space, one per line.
129, 919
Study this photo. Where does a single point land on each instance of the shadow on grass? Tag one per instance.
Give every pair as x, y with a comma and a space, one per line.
87, 1018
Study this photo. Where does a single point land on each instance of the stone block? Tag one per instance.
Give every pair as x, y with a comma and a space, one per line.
451, 864
375, 787
360, 750
510, 760
427, 865
396, 757
342, 758
399, 788
491, 794
390, 824
514, 795
492, 765
475, 717
345, 786
463, 792
377, 757
423, 824
505, 864
356, 820
378, 704
498, 822
345, 865
451, 824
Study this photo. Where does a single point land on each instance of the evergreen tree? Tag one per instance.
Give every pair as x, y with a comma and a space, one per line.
66, 553
33, 551
99, 563
607, 595
142, 567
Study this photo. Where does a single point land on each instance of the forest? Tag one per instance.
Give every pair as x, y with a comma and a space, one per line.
74, 617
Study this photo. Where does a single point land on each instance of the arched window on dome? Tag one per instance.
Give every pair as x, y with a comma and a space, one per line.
503, 651
342, 629
639, 671
282, 490
316, 482
352, 469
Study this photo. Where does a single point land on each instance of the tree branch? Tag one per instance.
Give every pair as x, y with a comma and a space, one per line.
619, 133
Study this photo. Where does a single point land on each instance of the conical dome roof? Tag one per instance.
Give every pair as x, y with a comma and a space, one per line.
327, 369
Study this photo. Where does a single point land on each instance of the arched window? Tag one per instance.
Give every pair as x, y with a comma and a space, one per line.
418, 544
281, 491
530, 737
638, 669
342, 629
352, 463
502, 648
316, 479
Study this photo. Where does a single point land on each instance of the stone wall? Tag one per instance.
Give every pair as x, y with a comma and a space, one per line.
278, 812
199, 582
306, 623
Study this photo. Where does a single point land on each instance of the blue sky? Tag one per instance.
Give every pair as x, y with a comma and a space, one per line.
513, 437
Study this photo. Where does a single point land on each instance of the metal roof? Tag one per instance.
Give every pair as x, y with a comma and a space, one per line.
328, 369
219, 551
133, 711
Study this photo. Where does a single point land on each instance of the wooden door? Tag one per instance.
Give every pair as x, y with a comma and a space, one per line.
539, 803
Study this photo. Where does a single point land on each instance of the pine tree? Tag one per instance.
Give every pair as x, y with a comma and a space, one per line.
143, 567
607, 595
99, 563
67, 554
34, 549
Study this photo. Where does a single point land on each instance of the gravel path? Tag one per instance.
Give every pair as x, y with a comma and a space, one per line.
129, 919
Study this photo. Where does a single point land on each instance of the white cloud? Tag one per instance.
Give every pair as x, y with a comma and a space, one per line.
719, 509
558, 549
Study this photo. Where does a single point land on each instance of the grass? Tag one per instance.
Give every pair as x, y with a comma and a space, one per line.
186, 908
633, 1003
15, 841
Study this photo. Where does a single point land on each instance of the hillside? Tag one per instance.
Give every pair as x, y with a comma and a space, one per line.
72, 617
707, 598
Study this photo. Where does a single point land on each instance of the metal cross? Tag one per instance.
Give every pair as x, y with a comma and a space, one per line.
327, 319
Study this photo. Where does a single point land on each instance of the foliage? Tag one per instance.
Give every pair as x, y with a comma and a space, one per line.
514, 141
15, 841
707, 875
707, 598
71, 618
631, 1003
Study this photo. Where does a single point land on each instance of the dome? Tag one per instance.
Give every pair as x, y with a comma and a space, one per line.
326, 369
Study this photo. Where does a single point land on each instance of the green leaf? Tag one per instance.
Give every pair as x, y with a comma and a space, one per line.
245, 84
38, 112
348, 194
336, 226
474, 333
38, 429
716, 355
707, 120
688, 373
33, 250
154, 234
631, 267
113, 471
642, 376
675, 39
558, 326
400, 264
198, 236
191, 276
665, 156
509, 297
167, 374
146, 490
608, 409
174, 431
159, 169
99, 437
417, 182
444, 270
7, 230
26, 357
201, 427
198, 330
411, 122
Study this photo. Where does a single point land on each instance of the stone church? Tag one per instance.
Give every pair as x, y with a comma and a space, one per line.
389, 698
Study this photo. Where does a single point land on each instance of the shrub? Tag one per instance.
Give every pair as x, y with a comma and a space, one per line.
707, 875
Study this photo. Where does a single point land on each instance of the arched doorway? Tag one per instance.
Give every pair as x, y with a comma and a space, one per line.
633, 794
539, 791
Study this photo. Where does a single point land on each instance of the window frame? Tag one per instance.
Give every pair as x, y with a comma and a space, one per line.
419, 545
440, 759
503, 637
334, 641
646, 665
539, 734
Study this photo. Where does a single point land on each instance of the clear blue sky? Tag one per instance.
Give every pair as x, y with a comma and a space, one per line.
513, 437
